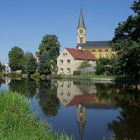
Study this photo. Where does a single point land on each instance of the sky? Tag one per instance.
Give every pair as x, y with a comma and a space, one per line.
23, 23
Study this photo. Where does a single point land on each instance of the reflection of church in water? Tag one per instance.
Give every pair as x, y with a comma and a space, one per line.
82, 96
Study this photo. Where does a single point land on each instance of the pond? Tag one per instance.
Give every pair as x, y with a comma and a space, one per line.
83, 109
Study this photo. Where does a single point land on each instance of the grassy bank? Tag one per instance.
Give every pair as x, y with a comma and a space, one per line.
99, 78
17, 123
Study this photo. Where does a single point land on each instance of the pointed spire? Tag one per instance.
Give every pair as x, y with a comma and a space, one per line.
81, 20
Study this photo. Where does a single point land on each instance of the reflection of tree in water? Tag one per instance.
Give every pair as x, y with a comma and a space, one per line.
127, 125
107, 91
26, 87
47, 94
1, 82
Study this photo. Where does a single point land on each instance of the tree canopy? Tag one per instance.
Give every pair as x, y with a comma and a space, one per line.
51, 46
15, 58
126, 43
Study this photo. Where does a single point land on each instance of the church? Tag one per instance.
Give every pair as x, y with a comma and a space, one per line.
70, 59
100, 49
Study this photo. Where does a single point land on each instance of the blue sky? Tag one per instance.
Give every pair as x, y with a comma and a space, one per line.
23, 23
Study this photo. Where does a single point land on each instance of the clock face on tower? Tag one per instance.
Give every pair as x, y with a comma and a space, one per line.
81, 31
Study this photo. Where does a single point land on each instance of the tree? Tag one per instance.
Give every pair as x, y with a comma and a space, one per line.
85, 64
15, 58
126, 43
129, 29
45, 64
51, 45
1, 67
105, 66
31, 66
26, 58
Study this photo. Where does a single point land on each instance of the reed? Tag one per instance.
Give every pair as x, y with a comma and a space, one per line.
18, 123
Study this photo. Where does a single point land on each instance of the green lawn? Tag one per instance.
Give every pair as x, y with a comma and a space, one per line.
18, 123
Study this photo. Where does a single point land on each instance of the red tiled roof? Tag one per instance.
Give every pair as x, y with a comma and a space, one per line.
81, 54
86, 99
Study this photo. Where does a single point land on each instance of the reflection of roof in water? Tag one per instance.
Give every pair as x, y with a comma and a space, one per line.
88, 102
83, 99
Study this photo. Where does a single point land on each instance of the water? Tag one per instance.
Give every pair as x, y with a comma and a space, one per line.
84, 109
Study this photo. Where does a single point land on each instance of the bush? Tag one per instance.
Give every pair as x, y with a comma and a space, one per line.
16, 122
78, 72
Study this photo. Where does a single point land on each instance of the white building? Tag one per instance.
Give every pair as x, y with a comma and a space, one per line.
70, 59
7, 69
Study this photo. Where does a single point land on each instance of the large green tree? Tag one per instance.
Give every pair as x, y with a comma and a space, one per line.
51, 45
126, 43
15, 58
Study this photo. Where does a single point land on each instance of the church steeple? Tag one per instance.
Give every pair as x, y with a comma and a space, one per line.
81, 31
81, 20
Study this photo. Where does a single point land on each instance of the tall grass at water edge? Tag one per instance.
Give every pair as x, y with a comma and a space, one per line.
18, 123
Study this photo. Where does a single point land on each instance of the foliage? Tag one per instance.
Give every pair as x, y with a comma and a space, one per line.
105, 66
31, 66
17, 123
26, 58
51, 45
129, 29
77, 72
85, 64
1, 67
128, 60
45, 64
15, 58
126, 43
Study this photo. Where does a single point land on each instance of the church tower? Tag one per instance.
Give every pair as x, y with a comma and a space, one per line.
81, 31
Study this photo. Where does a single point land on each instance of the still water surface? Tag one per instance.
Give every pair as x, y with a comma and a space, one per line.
83, 109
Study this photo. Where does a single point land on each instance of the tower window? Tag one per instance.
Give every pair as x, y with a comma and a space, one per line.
81, 40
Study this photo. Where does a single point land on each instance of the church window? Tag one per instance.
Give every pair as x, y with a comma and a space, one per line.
100, 55
106, 55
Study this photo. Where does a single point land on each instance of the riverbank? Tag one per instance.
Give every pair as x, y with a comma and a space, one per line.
18, 123
96, 78
99, 78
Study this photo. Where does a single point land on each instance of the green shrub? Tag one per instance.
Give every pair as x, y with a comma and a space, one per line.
17, 123
78, 72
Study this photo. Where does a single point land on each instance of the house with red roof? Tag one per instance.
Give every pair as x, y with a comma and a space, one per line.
70, 60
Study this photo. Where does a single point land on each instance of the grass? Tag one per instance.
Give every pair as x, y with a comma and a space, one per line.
18, 123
